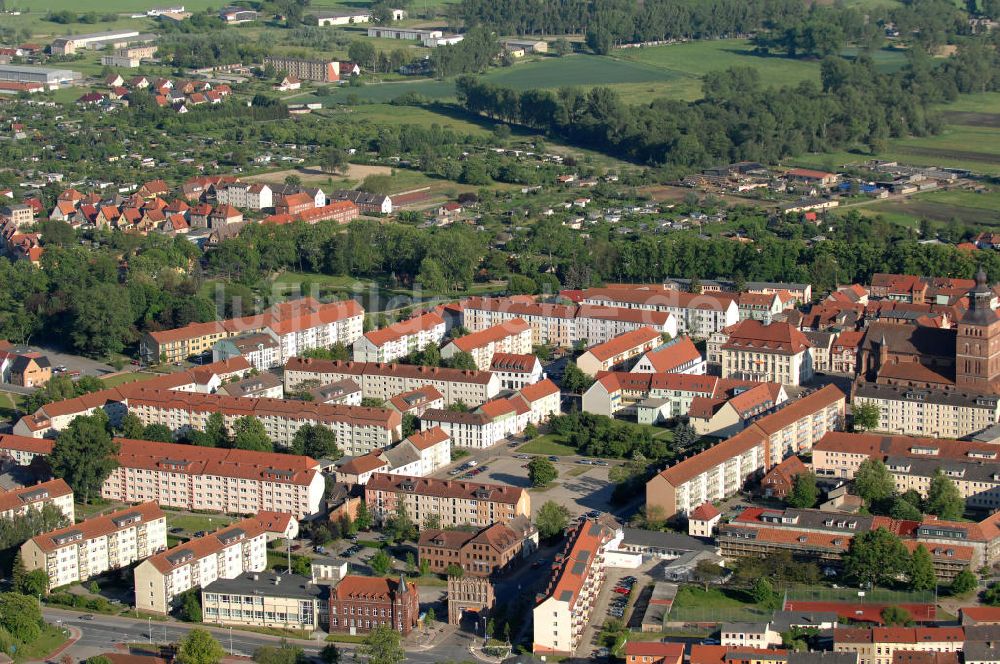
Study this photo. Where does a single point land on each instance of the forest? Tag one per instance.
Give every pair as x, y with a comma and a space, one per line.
738, 119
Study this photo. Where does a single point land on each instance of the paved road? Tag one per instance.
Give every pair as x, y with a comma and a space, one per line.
103, 633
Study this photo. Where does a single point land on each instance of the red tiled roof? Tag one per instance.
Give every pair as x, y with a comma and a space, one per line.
427, 486
982, 614
796, 410
581, 552
407, 401
220, 462
31, 494
667, 358
428, 438
704, 512
200, 547
512, 362
539, 390
404, 328
672, 651
446, 374
370, 588
26, 443
624, 342
490, 335
753, 335
99, 526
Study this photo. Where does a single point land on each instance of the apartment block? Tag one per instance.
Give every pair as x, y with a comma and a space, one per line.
751, 350
245, 195
676, 356
214, 479
418, 455
385, 381
488, 552
97, 545
973, 467
494, 421
698, 315
359, 604
322, 71
261, 350
516, 371
513, 336
224, 554
551, 324
577, 576
618, 351
824, 537
359, 430
298, 325
723, 469
598, 324
400, 339
113, 401
16, 503
22, 450
456, 503
878, 645
919, 411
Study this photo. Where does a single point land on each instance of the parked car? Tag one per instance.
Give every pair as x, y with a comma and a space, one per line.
553, 458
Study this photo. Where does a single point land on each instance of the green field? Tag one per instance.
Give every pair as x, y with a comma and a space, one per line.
694, 604
547, 444
977, 209
970, 139
192, 523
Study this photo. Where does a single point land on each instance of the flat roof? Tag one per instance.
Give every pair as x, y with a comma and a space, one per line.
25, 69
267, 584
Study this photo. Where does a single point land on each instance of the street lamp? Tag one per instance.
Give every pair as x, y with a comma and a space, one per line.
149, 623
230, 639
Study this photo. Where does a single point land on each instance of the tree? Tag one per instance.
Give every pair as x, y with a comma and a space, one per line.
362, 52
131, 426
574, 380
541, 471
876, 557
363, 519
190, 606
249, 434
330, 654
401, 526
964, 582
991, 595
35, 582
215, 429
159, 433
904, 510
84, 455
872, 481
411, 424
922, 575
896, 615
944, 498
462, 360
684, 435
200, 647
455, 571
763, 592
707, 571
430, 616
411, 563
21, 616
432, 521
334, 159
562, 46
316, 441
552, 519
530, 432
804, 493
381, 563
382, 646
101, 319
866, 416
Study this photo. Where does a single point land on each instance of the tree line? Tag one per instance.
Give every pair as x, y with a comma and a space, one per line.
627, 21
739, 119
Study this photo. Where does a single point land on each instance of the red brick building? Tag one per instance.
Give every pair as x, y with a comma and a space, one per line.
491, 550
778, 481
358, 604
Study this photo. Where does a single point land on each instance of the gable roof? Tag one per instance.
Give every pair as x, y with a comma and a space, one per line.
404, 328
474, 340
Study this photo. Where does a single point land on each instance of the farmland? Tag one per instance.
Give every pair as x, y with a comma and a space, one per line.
970, 139
969, 208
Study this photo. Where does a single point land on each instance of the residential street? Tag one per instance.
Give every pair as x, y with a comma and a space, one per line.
104, 633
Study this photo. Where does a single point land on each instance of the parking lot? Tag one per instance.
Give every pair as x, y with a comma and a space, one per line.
582, 482
614, 604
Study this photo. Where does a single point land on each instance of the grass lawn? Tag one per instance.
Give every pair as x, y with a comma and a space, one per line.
195, 522
345, 638
387, 114
87, 510
547, 444
694, 604
10, 404
941, 207
123, 378
51, 638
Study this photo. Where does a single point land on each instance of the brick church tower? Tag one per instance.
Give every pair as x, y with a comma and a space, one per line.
977, 345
